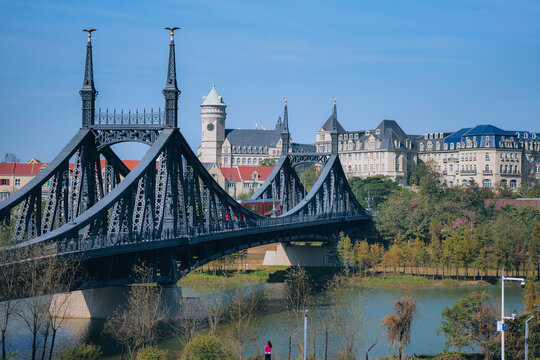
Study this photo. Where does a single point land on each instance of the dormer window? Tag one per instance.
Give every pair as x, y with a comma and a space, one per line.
377, 132
445, 146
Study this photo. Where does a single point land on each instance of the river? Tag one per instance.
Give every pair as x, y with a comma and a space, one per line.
368, 304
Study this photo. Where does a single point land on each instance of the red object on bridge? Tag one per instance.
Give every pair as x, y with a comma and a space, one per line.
265, 207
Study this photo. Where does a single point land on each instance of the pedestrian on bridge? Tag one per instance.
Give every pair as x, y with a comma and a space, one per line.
268, 351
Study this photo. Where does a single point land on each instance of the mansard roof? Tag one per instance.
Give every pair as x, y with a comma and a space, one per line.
487, 130
327, 126
304, 148
253, 137
392, 128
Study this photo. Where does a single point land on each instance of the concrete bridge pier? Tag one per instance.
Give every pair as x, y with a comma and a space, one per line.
104, 303
305, 255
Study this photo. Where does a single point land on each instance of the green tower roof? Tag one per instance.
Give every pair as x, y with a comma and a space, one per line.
213, 98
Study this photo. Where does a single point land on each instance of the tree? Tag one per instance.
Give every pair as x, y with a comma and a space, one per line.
378, 188
42, 276
298, 295
268, 162
399, 324
345, 250
532, 298
81, 352
241, 312
470, 322
375, 256
136, 326
361, 255
11, 158
9, 288
206, 347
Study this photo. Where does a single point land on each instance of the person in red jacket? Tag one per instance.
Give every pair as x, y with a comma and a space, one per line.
268, 351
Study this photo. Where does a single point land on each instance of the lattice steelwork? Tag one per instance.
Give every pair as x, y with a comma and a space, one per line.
168, 210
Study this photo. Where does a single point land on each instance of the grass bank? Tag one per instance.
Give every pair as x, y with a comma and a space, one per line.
321, 275
410, 280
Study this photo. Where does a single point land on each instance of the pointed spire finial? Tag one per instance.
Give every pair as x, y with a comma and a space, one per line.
171, 91
334, 132
335, 98
285, 99
88, 92
285, 135
172, 30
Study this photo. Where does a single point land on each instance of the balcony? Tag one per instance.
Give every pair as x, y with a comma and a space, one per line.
469, 172
487, 172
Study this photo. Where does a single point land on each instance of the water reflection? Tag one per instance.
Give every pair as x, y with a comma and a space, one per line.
273, 322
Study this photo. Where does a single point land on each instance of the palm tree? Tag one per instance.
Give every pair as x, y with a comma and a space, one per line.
399, 324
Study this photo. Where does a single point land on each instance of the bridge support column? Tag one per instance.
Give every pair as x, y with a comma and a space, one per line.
299, 255
103, 303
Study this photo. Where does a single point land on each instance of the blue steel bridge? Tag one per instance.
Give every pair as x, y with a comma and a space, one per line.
168, 211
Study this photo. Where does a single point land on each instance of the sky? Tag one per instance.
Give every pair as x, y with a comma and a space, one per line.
431, 65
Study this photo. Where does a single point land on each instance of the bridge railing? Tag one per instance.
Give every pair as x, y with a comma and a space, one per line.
144, 117
82, 243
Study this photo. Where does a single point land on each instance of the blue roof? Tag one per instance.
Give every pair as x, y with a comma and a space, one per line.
457, 135
487, 130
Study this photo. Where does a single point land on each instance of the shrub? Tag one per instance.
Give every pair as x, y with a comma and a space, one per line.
81, 352
206, 347
450, 355
153, 353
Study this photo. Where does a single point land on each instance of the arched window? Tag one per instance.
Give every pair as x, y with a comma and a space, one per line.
513, 184
452, 146
504, 183
464, 182
486, 183
249, 161
243, 161
421, 146
445, 146
486, 169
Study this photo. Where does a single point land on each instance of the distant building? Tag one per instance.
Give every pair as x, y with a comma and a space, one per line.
14, 176
385, 150
238, 147
485, 154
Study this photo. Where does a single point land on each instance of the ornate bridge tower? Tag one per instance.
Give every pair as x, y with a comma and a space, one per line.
171, 91
285, 134
88, 91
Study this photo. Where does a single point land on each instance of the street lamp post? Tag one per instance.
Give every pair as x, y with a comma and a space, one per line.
527, 337
501, 328
305, 333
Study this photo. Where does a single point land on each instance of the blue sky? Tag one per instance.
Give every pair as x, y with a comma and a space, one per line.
432, 65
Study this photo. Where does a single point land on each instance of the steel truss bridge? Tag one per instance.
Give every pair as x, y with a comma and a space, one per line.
168, 211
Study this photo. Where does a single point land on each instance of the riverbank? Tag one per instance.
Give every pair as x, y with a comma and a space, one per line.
276, 274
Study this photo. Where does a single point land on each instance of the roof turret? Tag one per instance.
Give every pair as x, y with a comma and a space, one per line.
213, 98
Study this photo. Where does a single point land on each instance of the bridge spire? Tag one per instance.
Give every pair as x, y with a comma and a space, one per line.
88, 92
285, 134
334, 132
171, 91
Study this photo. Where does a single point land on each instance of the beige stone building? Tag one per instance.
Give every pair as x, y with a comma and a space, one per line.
385, 150
485, 154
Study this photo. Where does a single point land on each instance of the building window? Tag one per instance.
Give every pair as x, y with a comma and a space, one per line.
243, 161
486, 183
249, 161
421, 146
18, 182
4, 182
486, 168
464, 182
226, 161
513, 184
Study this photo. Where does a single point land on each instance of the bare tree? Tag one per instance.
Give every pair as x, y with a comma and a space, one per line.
8, 292
36, 270
191, 319
136, 326
399, 324
213, 308
343, 323
298, 293
11, 157
241, 312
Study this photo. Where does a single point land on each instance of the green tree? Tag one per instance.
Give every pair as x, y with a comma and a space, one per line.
532, 297
470, 322
378, 188
375, 256
81, 352
345, 250
268, 162
206, 347
393, 257
361, 255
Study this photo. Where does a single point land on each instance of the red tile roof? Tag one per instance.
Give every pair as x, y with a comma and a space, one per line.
21, 169
230, 173
246, 172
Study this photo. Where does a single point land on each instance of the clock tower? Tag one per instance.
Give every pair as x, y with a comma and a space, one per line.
213, 127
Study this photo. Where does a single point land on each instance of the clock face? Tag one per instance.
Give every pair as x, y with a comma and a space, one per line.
210, 127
